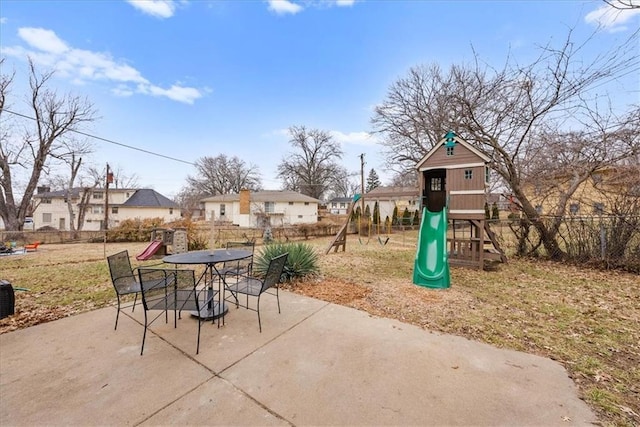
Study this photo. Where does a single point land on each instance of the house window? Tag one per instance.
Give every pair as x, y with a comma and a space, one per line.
97, 209
306, 203
334, 205
46, 218
269, 207
114, 210
300, 216
223, 209
343, 206
450, 151
170, 211
468, 174
574, 208
45, 201
598, 208
436, 184
97, 195
290, 203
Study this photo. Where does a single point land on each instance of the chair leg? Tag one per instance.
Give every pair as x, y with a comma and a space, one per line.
198, 345
135, 298
278, 298
117, 313
258, 310
144, 334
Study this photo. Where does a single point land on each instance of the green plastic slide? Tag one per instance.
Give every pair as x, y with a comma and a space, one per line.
431, 267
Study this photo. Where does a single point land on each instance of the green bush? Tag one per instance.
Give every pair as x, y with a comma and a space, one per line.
302, 260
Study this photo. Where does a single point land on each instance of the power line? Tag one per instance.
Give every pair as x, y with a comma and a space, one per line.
109, 141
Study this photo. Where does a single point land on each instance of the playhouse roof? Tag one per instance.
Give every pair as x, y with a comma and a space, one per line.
458, 140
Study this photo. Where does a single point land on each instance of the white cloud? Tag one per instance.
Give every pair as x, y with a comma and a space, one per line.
345, 3
3, 20
357, 138
157, 8
610, 18
82, 66
283, 7
44, 40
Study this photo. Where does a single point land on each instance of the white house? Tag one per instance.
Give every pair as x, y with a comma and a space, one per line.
124, 203
262, 208
339, 205
389, 198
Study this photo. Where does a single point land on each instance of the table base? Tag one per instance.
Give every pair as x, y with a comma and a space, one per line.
208, 313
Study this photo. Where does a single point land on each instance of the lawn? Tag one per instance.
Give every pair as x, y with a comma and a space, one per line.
587, 320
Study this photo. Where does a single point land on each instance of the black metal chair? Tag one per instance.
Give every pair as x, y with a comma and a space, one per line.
174, 290
239, 267
123, 278
255, 287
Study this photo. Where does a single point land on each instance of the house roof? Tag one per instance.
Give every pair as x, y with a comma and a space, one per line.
341, 200
458, 140
148, 198
264, 196
388, 192
144, 197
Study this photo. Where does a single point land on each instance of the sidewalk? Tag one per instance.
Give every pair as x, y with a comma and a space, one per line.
315, 364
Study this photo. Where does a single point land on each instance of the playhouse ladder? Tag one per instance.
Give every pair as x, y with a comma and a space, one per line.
494, 240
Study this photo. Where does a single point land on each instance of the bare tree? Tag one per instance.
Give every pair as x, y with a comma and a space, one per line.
32, 151
223, 175
122, 179
345, 184
511, 112
623, 4
405, 179
188, 198
312, 168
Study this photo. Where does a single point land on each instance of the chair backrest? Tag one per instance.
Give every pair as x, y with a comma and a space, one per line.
121, 272
274, 272
243, 265
155, 284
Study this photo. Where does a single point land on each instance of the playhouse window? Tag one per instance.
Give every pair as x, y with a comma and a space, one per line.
450, 151
468, 174
436, 184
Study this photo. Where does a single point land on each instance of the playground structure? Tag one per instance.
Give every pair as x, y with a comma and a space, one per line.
453, 177
340, 240
161, 239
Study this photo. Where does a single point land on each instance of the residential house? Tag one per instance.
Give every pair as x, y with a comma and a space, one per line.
262, 208
388, 198
124, 203
339, 205
594, 196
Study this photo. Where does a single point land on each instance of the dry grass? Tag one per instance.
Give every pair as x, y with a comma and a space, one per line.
585, 319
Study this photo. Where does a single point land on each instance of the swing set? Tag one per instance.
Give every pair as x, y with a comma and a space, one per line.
386, 229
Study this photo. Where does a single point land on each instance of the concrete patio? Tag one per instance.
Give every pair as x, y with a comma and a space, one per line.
315, 364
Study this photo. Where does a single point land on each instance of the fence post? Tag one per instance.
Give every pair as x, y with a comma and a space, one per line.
603, 241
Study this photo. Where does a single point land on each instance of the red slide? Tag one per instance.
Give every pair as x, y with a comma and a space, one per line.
149, 251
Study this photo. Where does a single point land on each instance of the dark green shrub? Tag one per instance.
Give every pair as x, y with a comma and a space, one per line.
302, 260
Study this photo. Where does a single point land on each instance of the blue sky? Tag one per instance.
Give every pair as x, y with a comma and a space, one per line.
197, 78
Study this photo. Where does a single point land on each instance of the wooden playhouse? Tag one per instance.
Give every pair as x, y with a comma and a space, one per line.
455, 175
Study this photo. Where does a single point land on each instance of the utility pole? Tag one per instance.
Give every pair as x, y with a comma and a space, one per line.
108, 180
362, 162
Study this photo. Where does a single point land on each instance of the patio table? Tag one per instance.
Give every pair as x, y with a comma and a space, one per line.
214, 309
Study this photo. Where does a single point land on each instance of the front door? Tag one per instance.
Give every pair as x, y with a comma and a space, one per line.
435, 191
62, 224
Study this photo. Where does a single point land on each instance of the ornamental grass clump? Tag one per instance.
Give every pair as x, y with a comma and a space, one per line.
302, 260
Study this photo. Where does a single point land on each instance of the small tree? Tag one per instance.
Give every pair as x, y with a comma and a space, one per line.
406, 217
376, 213
394, 216
416, 218
373, 181
495, 212
487, 213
